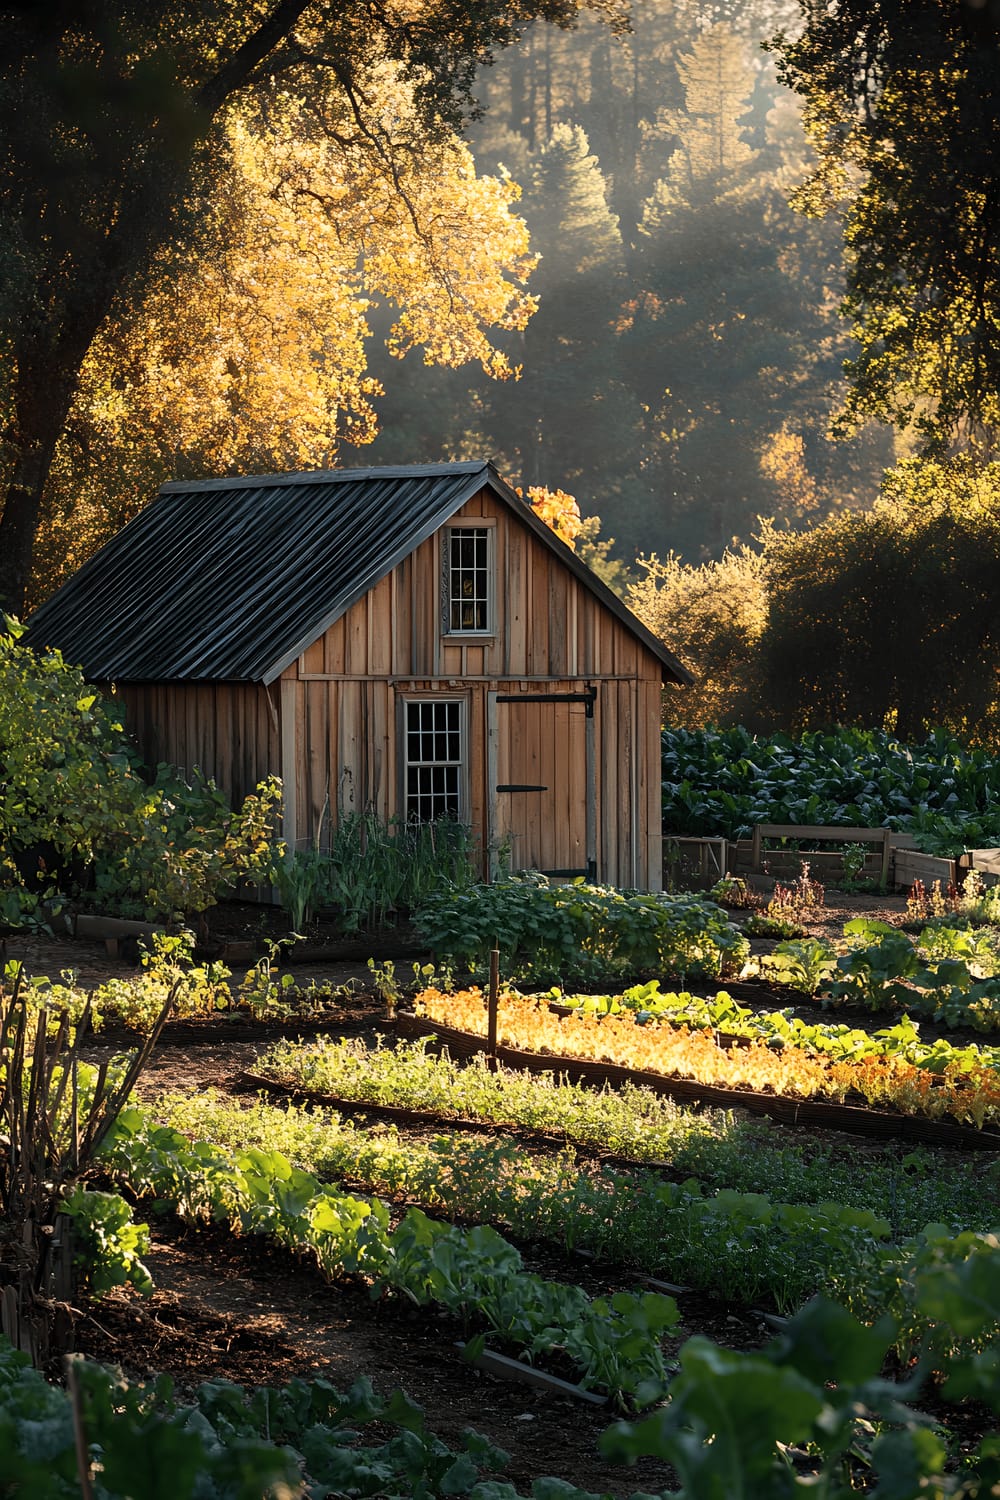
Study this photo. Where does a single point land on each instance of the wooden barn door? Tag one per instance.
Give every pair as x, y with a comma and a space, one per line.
541, 769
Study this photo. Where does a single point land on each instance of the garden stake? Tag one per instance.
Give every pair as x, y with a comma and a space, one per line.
491, 1023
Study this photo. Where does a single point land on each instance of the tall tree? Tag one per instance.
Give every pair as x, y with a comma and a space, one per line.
902, 102
248, 349
726, 341
111, 110
890, 616
708, 389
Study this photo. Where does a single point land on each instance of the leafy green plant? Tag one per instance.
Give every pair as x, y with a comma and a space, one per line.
721, 783
110, 1242
68, 781
264, 988
765, 924
72, 801
182, 846
853, 861
474, 1274
559, 932
737, 1423
300, 877
804, 964
303, 1439
167, 967
874, 976
733, 890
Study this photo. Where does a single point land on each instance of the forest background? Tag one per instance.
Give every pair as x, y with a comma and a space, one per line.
606, 285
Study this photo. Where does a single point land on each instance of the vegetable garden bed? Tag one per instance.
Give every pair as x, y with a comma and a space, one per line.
855, 1119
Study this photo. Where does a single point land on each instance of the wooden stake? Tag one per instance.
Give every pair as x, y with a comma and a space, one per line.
79, 1431
491, 1024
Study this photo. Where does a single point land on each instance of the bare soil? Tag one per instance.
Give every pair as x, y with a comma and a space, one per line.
245, 1311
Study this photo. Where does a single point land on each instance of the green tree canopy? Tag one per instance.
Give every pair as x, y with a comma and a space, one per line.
890, 617
902, 103
112, 147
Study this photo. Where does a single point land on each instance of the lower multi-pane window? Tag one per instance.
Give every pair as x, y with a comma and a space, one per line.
434, 760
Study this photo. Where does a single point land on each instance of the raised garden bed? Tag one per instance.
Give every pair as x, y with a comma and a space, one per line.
909, 865
855, 1119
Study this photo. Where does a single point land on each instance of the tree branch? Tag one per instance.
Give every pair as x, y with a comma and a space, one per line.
235, 72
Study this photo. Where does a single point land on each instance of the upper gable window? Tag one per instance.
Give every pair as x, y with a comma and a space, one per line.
468, 580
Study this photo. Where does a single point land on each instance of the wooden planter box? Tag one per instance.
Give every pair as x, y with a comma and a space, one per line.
910, 865
786, 864
986, 862
702, 860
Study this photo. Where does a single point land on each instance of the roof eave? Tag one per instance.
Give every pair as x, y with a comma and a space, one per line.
479, 476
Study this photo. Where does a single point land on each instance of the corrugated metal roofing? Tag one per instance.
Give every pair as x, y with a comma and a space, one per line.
231, 579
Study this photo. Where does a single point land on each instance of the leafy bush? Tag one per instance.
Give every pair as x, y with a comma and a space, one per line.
182, 846
68, 780
557, 932
74, 810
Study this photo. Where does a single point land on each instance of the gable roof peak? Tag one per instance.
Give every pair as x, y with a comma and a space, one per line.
231, 579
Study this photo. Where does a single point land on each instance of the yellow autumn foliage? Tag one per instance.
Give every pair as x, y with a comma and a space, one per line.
526, 1023
558, 510
247, 351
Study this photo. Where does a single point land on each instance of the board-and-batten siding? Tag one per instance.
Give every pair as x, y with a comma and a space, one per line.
228, 730
550, 634
547, 623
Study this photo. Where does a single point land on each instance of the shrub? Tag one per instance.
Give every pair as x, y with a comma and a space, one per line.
74, 810
557, 932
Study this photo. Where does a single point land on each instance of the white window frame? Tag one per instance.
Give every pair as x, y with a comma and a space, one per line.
449, 601
460, 765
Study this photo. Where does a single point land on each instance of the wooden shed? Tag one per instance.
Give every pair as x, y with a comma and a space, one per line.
409, 640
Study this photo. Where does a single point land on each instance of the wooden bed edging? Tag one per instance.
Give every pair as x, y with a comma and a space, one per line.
829, 1115
491, 1362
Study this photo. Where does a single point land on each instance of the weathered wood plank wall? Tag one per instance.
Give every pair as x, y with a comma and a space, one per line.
550, 634
229, 730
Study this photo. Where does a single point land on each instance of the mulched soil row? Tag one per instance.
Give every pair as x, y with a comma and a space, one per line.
880, 1124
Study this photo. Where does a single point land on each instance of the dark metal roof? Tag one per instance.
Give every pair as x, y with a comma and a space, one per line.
231, 579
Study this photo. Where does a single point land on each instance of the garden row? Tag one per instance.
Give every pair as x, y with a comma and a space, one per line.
692, 1064
722, 783
613, 1342
696, 1230
809, 1414
574, 935
941, 1292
